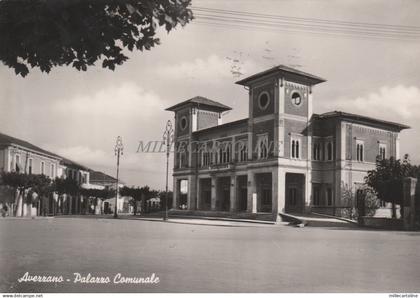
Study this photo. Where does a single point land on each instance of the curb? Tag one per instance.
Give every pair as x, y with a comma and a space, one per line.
337, 217
225, 219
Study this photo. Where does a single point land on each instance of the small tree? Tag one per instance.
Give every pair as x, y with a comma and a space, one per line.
42, 187
135, 193
20, 183
348, 198
142, 194
369, 199
66, 186
386, 180
98, 194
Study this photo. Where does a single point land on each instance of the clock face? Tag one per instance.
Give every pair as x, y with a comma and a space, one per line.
296, 98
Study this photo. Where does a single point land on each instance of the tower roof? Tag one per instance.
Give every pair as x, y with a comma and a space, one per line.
284, 71
200, 101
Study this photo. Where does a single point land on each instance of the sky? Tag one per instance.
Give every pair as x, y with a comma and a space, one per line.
80, 114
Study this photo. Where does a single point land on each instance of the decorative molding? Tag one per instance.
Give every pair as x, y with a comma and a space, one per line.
263, 118
293, 117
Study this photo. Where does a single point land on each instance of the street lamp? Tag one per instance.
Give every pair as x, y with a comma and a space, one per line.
118, 151
167, 140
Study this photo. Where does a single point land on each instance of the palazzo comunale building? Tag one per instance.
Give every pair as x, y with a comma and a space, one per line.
283, 158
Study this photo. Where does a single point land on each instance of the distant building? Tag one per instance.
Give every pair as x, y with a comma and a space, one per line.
23, 157
101, 180
20, 156
282, 158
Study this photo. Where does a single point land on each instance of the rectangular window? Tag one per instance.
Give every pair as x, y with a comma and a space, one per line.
382, 151
295, 148
30, 161
359, 151
42, 168
17, 163
316, 196
52, 174
243, 152
329, 151
317, 152
329, 197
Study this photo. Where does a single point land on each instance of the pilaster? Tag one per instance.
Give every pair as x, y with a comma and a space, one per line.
233, 196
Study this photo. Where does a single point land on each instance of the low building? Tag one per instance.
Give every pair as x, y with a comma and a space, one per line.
282, 158
101, 180
20, 156
23, 157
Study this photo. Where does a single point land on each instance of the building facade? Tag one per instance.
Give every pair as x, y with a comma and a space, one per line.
20, 156
282, 158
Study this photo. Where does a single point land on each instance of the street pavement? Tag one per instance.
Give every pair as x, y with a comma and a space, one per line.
202, 256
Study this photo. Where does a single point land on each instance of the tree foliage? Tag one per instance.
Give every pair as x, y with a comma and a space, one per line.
387, 179
138, 194
66, 186
102, 194
48, 33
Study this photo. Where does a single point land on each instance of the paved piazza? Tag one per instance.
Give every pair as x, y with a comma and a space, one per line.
204, 258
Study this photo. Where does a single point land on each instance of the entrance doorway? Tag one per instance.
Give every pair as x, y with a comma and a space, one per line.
242, 192
205, 194
295, 193
183, 194
223, 194
264, 192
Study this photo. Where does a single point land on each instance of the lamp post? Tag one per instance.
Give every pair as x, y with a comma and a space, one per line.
167, 140
118, 151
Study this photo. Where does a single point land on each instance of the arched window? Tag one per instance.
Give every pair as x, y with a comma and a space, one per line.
295, 147
243, 152
262, 146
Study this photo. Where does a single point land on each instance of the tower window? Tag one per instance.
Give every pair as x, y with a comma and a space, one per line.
296, 98
263, 100
183, 123
295, 148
